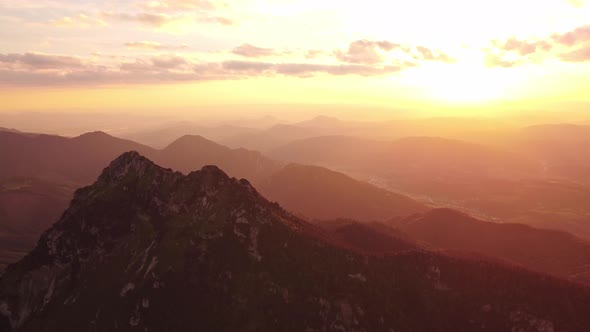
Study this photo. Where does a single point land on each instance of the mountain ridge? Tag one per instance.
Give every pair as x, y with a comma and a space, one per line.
148, 248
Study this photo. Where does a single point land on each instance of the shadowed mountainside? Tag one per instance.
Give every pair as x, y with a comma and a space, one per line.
555, 252
320, 193
148, 248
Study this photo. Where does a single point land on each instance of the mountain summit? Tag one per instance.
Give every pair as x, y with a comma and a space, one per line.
148, 249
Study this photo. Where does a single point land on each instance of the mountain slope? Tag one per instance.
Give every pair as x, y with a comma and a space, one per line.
59, 159
267, 139
145, 248
368, 237
193, 152
320, 193
163, 136
547, 251
10, 130
557, 147
28, 206
415, 156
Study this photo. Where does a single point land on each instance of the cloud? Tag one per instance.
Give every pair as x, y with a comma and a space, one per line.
367, 52
217, 20
168, 62
78, 21
37, 61
250, 51
32, 69
522, 47
178, 5
362, 52
497, 60
156, 20
580, 35
571, 46
313, 54
149, 45
156, 64
160, 20
579, 55
46, 69
304, 69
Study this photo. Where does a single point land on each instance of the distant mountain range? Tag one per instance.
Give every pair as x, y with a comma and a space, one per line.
521, 185
320, 193
146, 248
548, 251
73, 162
10, 130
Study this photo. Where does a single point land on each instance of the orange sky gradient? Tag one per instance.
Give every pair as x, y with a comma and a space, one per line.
191, 56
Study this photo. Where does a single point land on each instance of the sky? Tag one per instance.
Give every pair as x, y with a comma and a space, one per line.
191, 56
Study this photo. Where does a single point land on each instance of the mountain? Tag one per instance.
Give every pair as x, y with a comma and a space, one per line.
344, 152
10, 130
558, 132
268, 139
72, 162
39, 174
554, 252
28, 206
163, 136
369, 237
320, 193
193, 152
262, 122
416, 156
59, 159
557, 147
145, 248
510, 185
80, 159
322, 121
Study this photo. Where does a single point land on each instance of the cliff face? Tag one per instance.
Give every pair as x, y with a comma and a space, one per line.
148, 249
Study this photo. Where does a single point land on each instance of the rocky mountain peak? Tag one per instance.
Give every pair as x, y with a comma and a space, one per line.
128, 163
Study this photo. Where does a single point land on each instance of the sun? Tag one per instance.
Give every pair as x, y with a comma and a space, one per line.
465, 82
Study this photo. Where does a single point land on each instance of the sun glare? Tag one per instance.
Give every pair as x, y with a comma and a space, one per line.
467, 81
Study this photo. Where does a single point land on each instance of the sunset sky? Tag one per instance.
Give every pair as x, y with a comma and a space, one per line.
186, 55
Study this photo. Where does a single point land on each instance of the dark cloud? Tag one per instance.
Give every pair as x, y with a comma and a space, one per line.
251, 51
155, 64
247, 66
305, 69
169, 62
41, 61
